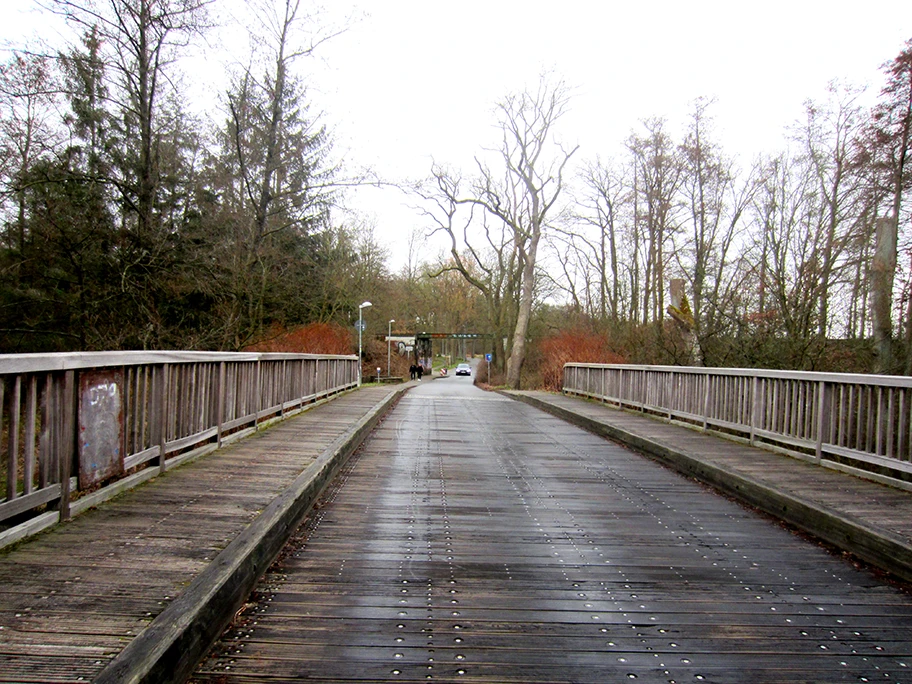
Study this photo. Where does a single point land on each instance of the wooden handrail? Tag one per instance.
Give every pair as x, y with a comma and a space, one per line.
859, 423
103, 415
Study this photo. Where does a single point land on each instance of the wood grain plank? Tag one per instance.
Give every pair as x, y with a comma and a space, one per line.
72, 598
522, 549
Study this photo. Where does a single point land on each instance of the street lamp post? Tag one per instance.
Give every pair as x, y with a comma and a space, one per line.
361, 308
388, 345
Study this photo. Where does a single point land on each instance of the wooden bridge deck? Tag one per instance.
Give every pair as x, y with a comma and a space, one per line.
475, 538
865, 518
76, 596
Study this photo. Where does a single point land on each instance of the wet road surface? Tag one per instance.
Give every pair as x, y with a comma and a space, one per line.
475, 538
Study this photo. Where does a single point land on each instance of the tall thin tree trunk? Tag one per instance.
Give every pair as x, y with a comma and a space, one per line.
882, 271
524, 315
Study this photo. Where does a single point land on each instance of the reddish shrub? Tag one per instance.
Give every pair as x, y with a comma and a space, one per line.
571, 345
315, 338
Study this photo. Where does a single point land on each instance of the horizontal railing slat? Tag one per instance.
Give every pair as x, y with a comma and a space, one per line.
24, 503
140, 457
238, 422
190, 440
873, 459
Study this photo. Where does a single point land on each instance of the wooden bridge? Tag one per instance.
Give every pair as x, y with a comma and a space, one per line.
456, 535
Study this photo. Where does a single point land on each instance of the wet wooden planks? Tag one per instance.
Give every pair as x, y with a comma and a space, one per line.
486, 541
877, 504
74, 597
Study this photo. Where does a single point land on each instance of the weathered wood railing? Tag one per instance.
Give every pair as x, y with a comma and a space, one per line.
80, 420
853, 422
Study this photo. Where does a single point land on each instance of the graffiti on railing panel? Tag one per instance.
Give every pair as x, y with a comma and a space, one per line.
100, 426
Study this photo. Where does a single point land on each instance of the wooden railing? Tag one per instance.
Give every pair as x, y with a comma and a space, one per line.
853, 422
74, 422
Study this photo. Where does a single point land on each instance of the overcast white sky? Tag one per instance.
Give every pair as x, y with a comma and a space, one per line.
416, 80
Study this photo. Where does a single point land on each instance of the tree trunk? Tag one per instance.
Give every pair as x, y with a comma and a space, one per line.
524, 316
882, 270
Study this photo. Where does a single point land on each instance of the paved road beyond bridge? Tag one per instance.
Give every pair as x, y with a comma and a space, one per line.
476, 538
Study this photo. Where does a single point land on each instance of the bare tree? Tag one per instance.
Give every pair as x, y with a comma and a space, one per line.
600, 208
829, 138
279, 149
786, 257
882, 270
715, 204
892, 152
485, 258
274, 171
519, 196
139, 39
525, 197
27, 93
657, 173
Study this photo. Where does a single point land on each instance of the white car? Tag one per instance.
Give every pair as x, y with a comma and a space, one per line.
463, 369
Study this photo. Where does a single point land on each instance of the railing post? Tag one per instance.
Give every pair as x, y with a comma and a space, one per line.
257, 401
31, 409
165, 409
47, 466
641, 381
220, 403
283, 389
890, 409
706, 382
160, 413
755, 383
2, 398
822, 406
12, 469
68, 422
127, 409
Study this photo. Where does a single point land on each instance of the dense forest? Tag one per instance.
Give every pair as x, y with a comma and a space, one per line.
129, 223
